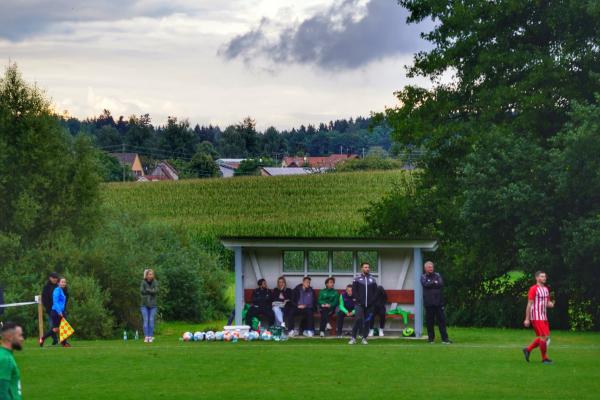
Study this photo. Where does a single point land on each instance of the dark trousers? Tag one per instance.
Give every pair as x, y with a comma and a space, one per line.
50, 332
362, 320
433, 313
307, 321
379, 312
339, 325
325, 314
256, 311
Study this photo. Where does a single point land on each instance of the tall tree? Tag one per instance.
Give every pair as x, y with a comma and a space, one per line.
517, 67
48, 180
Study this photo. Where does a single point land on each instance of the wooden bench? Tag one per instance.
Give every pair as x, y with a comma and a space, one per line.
393, 297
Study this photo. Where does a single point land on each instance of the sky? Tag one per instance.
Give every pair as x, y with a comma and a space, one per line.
281, 62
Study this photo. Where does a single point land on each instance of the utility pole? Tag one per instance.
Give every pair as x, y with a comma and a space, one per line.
123, 151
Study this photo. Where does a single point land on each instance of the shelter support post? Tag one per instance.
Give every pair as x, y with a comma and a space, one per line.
239, 285
417, 266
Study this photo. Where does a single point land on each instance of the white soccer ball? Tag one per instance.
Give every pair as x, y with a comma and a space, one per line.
198, 336
209, 336
219, 336
187, 336
266, 335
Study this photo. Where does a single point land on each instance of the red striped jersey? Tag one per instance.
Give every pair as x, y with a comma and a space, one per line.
540, 296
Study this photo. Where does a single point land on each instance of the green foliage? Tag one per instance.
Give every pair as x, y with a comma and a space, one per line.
203, 165
371, 162
87, 309
252, 166
500, 169
111, 170
48, 180
194, 285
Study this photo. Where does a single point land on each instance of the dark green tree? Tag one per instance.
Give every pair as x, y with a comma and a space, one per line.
487, 191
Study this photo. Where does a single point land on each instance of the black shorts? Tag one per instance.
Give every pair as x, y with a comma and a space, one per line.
55, 319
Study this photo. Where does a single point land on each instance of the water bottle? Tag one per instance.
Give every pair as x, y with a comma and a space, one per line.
137, 335
125, 334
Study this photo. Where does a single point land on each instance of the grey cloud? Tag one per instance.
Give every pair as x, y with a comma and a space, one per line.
20, 19
333, 38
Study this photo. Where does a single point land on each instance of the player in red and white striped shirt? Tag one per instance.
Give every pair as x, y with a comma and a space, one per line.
538, 299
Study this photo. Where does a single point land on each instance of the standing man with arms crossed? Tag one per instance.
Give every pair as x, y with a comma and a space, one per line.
433, 284
538, 299
364, 290
11, 339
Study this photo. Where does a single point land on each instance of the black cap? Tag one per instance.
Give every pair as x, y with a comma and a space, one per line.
53, 275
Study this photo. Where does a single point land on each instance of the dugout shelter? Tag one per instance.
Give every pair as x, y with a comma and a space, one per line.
396, 264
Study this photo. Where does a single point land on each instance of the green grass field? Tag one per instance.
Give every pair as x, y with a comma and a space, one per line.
314, 205
481, 364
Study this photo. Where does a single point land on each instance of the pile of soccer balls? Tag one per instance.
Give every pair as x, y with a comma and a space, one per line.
226, 336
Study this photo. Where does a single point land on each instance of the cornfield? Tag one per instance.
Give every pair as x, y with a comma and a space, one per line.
308, 205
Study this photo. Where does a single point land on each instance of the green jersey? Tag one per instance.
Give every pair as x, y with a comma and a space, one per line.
10, 378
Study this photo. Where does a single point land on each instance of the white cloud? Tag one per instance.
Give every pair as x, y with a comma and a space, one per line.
166, 64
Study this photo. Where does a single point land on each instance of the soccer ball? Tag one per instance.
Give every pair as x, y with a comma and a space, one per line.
199, 336
219, 336
209, 336
246, 336
227, 336
266, 335
235, 334
188, 336
408, 332
255, 335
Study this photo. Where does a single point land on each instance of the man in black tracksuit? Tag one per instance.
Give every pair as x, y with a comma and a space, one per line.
433, 300
379, 310
364, 291
261, 304
47, 291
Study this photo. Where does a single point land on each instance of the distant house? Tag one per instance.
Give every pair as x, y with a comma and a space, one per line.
316, 162
131, 160
275, 171
163, 172
227, 166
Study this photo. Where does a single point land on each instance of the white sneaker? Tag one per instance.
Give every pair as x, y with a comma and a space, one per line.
292, 333
309, 333
147, 339
364, 341
352, 341
322, 334
381, 333
151, 340
370, 332
283, 325
328, 327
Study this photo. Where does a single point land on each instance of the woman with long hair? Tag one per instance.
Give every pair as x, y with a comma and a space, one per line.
149, 292
59, 307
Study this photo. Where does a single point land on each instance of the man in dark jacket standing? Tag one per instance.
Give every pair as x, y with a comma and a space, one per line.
364, 291
433, 299
47, 291
261, 304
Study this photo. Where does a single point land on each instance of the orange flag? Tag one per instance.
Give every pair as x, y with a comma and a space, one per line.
65, 330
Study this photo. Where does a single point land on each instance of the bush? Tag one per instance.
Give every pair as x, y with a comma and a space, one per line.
87, 311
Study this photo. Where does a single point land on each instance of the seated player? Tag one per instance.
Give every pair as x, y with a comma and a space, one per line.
305, 301
328, 301
261, 304
346, 309
379, 311
283, 306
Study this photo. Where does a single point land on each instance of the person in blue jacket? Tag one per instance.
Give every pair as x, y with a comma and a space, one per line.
59, 306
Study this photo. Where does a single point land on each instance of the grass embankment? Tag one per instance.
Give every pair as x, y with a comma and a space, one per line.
482, 364
313, 205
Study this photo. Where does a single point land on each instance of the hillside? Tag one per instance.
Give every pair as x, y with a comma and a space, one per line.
314, 205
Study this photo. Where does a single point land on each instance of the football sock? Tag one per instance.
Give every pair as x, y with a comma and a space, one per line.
534, 344
543, 349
